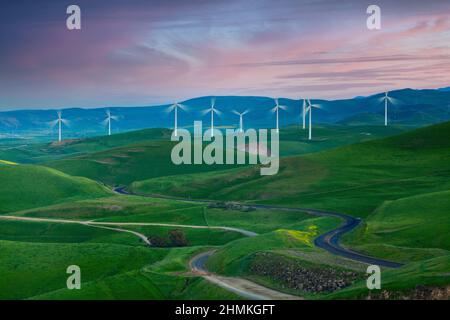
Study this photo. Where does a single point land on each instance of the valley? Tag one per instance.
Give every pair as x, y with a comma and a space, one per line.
65, 210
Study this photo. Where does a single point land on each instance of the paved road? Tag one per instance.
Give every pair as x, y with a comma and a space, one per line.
328, 241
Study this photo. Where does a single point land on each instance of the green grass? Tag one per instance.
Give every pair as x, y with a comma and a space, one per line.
26, 152
432, 272
113, 265
123, 165
416, 227
353, 179
232, 258
30, 269
117, 207
400, 184
141, 209
43, 232
29, 186
144, 159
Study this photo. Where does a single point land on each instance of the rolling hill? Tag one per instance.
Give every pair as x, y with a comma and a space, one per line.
26, 152
420, 225
147, 153
29, 186
354, 179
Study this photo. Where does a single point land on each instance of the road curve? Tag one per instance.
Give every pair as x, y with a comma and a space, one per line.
328, 241
239, 286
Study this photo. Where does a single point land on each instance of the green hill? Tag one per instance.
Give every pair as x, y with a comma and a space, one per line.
143, 158
417, 222
129, 163
24, 152
354, 179
30, 186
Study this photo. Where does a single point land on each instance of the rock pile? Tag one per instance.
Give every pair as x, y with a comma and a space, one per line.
291, 274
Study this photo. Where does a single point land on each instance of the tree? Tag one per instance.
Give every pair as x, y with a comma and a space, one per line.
157, 241
177, 238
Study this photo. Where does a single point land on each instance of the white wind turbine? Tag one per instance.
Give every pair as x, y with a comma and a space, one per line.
175, 107
309, 109
108, 120
213, 111
276, 110
59, 122
241, 120
386, 99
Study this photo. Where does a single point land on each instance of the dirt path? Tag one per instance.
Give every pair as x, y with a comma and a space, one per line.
124, 224
242, 287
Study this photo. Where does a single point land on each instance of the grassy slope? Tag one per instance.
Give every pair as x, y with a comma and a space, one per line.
416, 227
431, 272
149, 159
141, 209
233, 257
113, 265
28, 186
123, 165
24, 152
353, 179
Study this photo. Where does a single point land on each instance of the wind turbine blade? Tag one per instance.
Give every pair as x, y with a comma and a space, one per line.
170, 109
205, 112
66, 122
183, 107
274, 109
235, 112
105, 122
282, 107
213, 102
116, 118
218, 112
245, 112
53, 123
394, 100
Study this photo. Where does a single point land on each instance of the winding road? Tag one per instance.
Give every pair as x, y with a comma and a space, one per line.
328, 241
245, 288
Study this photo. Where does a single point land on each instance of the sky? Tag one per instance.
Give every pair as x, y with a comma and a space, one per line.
144, 52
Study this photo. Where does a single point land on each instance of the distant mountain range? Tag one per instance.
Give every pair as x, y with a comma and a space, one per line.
412, 107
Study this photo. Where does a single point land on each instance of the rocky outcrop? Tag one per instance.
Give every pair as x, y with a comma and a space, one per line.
418, 293
294, 275
230, 206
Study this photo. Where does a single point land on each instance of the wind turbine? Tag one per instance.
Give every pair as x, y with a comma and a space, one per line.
309, 110
386, 99
175, 107
108, 119
241, 121
276, 110
213, 111
59, 122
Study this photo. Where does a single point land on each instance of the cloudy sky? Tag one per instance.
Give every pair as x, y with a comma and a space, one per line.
140, 52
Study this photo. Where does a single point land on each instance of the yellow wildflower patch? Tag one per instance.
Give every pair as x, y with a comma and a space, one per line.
8, 162
306, 237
